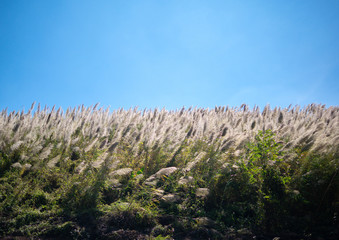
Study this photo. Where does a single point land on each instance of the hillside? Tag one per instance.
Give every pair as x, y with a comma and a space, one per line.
224, 173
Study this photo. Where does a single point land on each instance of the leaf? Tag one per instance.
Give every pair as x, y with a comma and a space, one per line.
140, 171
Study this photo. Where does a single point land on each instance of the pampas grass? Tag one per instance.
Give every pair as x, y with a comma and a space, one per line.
80, 164
314, 126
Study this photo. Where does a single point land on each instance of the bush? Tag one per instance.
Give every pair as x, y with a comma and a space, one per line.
251, 192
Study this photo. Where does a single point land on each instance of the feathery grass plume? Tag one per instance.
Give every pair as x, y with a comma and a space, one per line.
312, 125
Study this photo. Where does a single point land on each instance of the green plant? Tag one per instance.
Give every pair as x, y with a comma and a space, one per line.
264, 156
262, 186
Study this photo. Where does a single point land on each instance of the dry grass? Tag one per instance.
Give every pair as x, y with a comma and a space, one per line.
314, 126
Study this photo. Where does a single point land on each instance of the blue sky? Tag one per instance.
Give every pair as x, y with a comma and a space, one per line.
165, 53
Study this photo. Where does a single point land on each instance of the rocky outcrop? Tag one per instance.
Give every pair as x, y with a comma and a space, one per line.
153, 179
202, 192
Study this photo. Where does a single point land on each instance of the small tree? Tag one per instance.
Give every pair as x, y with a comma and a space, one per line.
264, 156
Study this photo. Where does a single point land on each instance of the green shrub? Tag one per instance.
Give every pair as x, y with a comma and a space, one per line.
251, 192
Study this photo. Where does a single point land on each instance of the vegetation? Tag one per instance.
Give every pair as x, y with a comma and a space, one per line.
190, 174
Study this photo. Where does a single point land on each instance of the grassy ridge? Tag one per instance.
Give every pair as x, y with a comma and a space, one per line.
220, 174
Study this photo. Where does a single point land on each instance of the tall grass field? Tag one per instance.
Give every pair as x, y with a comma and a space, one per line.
222, 173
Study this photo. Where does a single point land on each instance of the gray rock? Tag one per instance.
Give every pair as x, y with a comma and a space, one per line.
16, 165
236, 167
185, 180
121, 172
162, 172
151, 178
139, 177
295, 192
114, 183
202, 192
151, 183
170, 198
76, 149
165, 171
205, 222
27, 166
244, 231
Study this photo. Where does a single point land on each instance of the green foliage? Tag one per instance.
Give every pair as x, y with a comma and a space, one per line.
264, 189
7, 159
264, 150
84, 191
5, 163
317, 184
37, 199
272, 195
252, 191
75, 155
265, 172
155, 159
